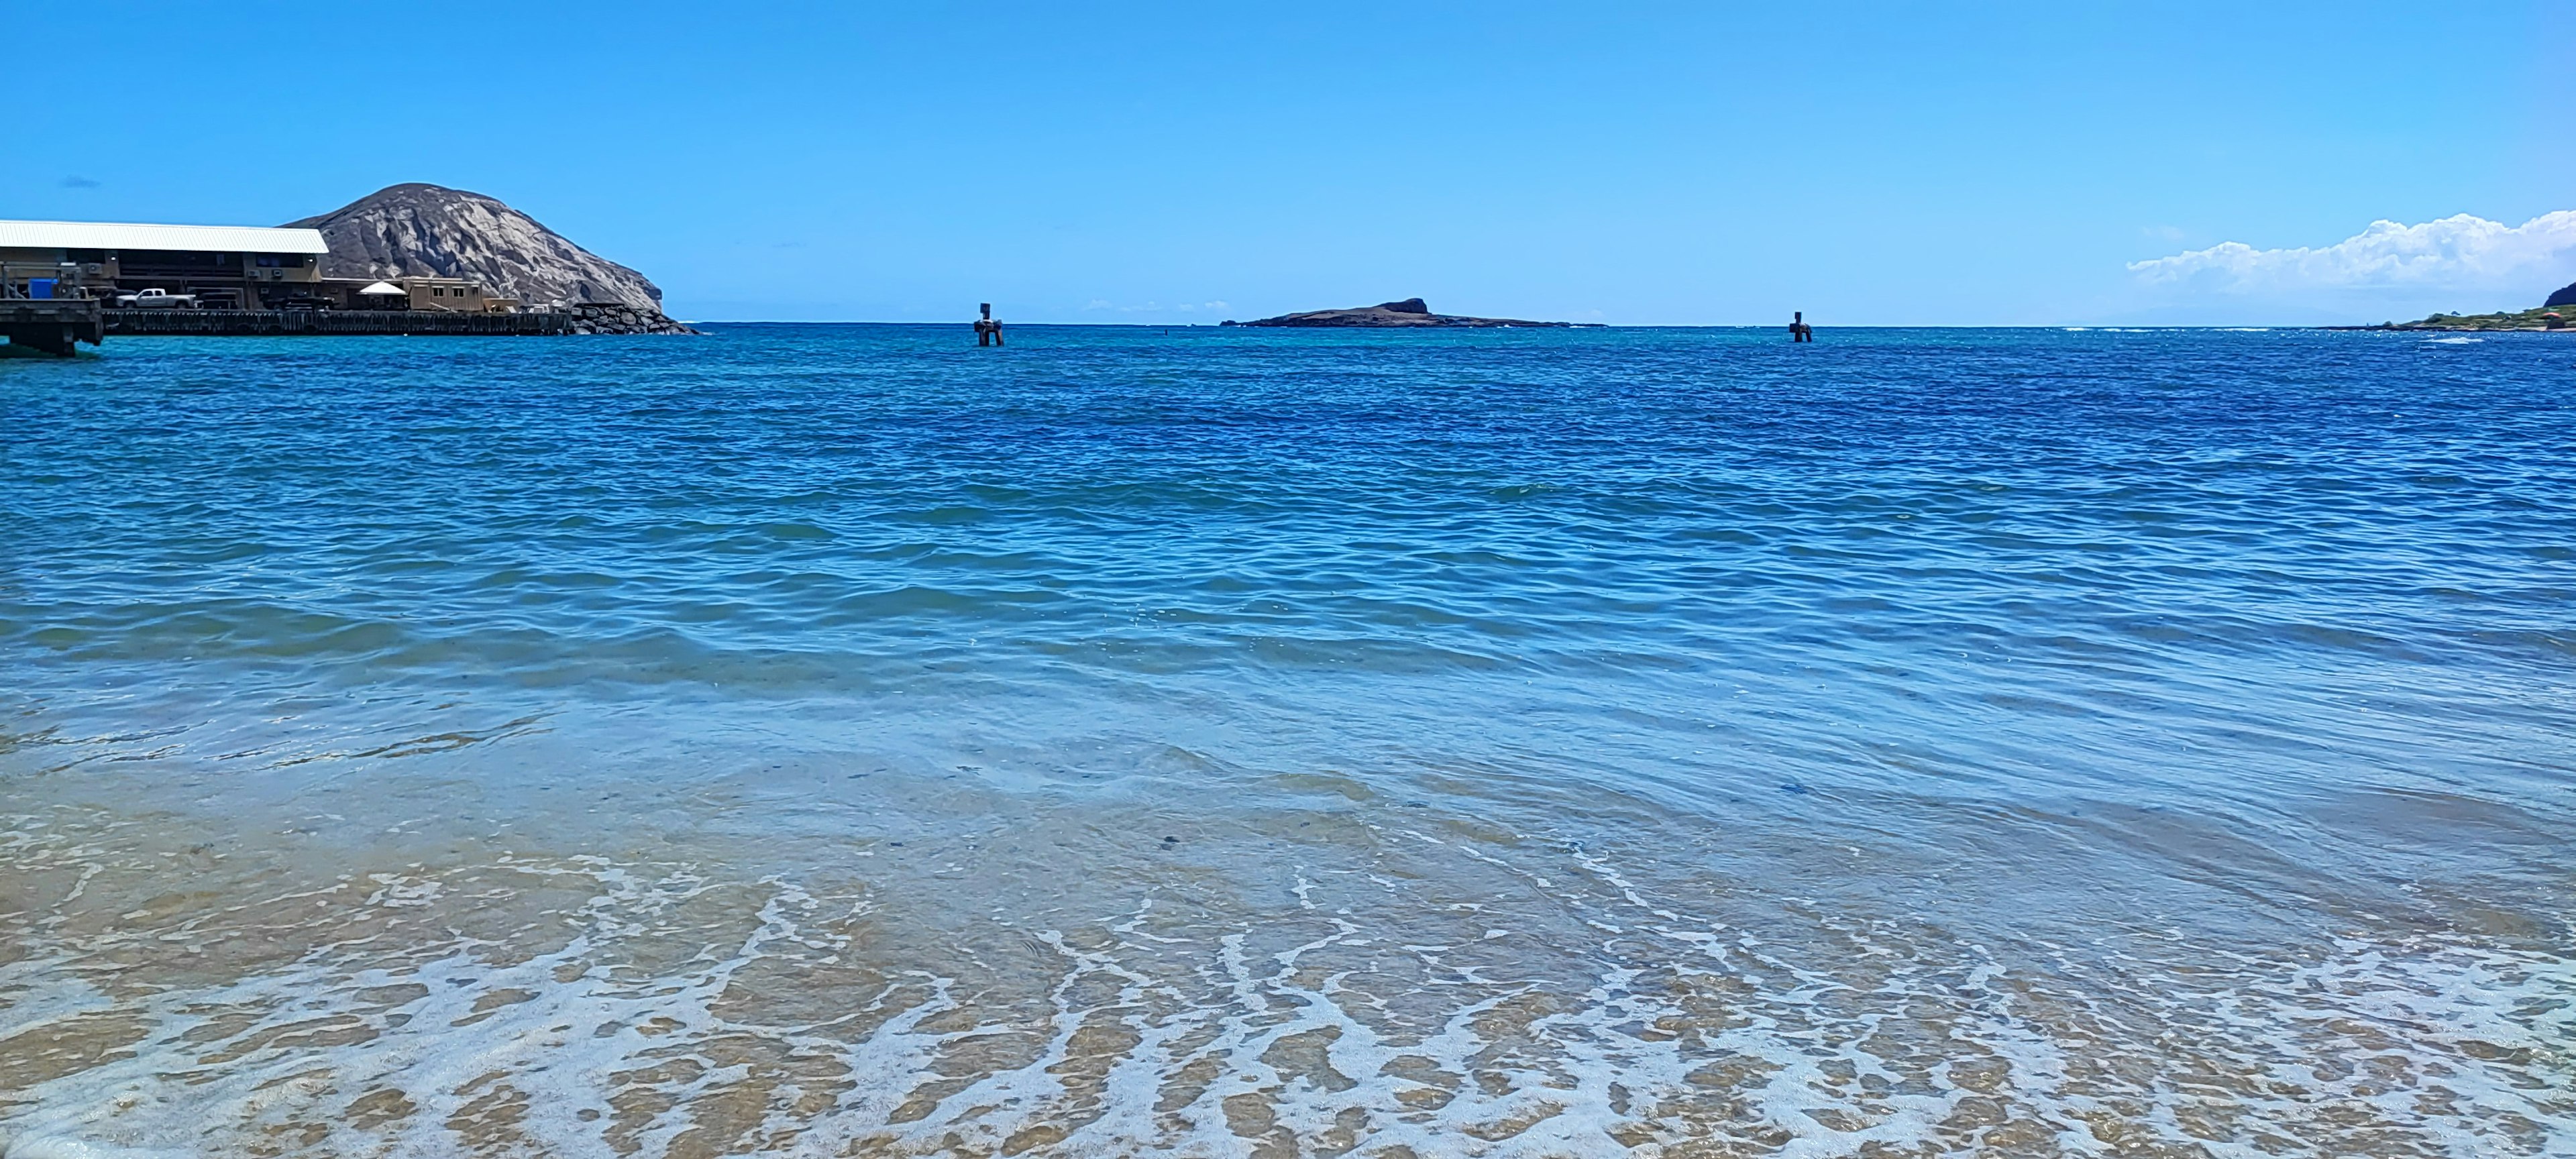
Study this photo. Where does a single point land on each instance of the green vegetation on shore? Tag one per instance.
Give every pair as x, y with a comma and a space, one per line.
2535, 318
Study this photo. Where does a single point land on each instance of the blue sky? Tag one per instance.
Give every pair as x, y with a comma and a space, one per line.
1867, 163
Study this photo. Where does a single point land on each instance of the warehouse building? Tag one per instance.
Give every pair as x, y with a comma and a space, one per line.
217, 267
232, 267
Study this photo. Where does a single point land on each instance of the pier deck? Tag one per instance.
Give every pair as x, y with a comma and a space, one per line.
265, 322
51, 324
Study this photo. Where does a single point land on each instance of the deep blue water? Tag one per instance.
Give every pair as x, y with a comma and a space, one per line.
2238, 643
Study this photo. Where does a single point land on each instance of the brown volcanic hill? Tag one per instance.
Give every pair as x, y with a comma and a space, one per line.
419, 230
1411, 312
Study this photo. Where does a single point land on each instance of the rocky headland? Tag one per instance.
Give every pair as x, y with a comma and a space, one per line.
2558, 312
1409, 313
419, 230
2536, 318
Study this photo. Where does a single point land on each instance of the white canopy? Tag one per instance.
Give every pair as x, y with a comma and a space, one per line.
384, 288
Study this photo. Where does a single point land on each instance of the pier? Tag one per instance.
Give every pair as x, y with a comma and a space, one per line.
52, 325
67, 282
232, 323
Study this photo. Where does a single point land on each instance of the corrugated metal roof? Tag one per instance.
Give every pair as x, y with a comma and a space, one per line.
106, 235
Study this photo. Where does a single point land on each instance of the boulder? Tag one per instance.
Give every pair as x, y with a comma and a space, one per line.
620, 318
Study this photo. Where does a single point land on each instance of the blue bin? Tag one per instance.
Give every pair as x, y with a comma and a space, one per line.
41, 287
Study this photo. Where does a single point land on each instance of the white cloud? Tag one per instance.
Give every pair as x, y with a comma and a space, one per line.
2460, 252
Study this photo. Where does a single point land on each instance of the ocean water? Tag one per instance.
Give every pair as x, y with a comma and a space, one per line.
838, 741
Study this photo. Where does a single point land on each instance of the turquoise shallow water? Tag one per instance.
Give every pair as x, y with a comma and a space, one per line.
842, 740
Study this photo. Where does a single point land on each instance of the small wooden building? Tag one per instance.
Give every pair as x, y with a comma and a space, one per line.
446, 295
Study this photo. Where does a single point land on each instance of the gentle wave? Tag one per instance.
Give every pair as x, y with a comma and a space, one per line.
831, 740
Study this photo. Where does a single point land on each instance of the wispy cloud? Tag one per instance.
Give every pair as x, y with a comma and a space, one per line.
2460, 252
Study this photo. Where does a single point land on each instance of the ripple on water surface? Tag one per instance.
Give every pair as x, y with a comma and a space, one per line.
832, 741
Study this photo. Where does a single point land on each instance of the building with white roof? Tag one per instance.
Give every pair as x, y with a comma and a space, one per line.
245, 267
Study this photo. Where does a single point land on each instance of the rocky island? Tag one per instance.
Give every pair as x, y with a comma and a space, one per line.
418, 230
1409, 313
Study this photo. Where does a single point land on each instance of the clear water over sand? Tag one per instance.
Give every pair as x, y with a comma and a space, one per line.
844, 741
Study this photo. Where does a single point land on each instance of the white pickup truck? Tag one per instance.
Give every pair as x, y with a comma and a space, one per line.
156, 299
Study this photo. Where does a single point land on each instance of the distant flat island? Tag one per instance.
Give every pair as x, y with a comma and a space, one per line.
1410, 313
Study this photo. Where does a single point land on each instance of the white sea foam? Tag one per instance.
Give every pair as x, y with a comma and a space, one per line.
1355, 1019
